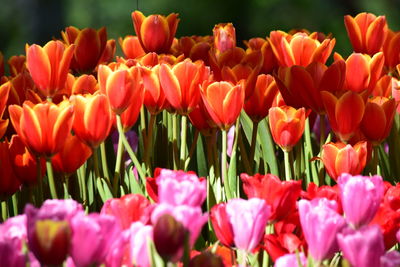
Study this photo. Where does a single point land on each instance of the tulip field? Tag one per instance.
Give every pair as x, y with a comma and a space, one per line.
160, 150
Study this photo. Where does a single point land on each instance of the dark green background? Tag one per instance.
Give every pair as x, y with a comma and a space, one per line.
37, 21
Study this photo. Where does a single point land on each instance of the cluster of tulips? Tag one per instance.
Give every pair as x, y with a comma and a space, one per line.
298, 159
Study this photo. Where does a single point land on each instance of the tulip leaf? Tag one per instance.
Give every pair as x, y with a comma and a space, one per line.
267, 147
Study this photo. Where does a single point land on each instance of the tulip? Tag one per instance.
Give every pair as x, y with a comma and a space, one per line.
324, 191
345, 112
72, 156
389, 222
84, 84
131, 47
181, 84
287, 125
391, 50
155, 32
140, 235
12, 240
17, 65
302, 86
206, 259
300, 48
248, 219
224, 102
291, 260
9, 183
360, 197
260, 101
90, 44
320, 223
92, 237
224, 37
154, 96
92, 122
201, 119
181, 188
363, 247
366, 32
280, 195
340, 158
128, 209
120, 86
4, 95
277, 245
378, 118
390, 259
221, 224
49, 66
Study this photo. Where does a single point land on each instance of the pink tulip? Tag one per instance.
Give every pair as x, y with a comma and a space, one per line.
140, 235
181, 188
391, 259
291, 260
12, 239
248, 219
320, 223
363, 247
360, 197
92, 237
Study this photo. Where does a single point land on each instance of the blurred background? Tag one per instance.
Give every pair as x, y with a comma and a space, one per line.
38, 21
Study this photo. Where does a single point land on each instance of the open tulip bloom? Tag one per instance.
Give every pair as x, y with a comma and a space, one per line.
195, 151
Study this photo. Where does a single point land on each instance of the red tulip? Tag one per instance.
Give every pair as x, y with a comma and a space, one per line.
287, 125
4, 95
280, 195
269, 60
389, 222
17, 65
43, 127
366, 32
329, 192
201, 119
49, 66
221, 224
340, 158
155, 32
9, 183
131, 47
224, 102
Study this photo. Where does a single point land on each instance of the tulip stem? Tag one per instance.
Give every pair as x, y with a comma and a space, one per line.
322, 131
82, 180
130, 151
224, 163
39, 197
287, 165
14, 201
117, 175
175, 140
245, 159
149, 144
96, 163
192, 148
50, 176
253, 144
312, 171
183, 142
4, 211
104, 161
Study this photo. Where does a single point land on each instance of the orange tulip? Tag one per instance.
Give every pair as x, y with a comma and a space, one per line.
259, 103
1, 65
131, 47
378, 118
340, 158
49, 66
24, 162
395, 90
90, 44
84, 84
119, 85
391, 50
287, 125
4, 94
223, 101
93, 118
366, 32
155, 32
300, 48
154, 96
181, 84
302, 86
201, 119
269, 61
383, 86
8, 181
345, 112
43, 127
17, 65
224, 37
73, 155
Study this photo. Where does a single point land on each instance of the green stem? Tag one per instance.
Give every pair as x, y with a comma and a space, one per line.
148, 150
309, 154
96, 163
130, 151
175, 140
322, 131
39, 197
224, 163
245, 159
253, 144
143, 124
84, 186
117, 175
192, 148
14, 201
375, 161
183, 141
287, 165
50, 176
4, 211
104, 164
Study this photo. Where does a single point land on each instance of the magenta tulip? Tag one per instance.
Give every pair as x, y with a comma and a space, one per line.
391, 259
291, 260
320, 223
140, 235
360, 197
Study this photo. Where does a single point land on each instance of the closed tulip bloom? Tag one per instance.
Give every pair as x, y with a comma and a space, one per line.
155, 32
224, 102
207, 258
181, 84
49, 66
287, 125
340, 158
12, 241
92, 237
367, 32
4, 93
140, 236
221, 224
224, 37
391, 50
131, 47
43, 127
9, 183
320, 223
248, 219
154, 96
378, 118
93, 118
84, 84
120, 86
360, 197
363, 247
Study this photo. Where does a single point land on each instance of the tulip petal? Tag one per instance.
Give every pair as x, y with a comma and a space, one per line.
39, 66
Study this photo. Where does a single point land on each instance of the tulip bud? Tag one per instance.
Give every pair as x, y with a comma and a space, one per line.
206, 259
